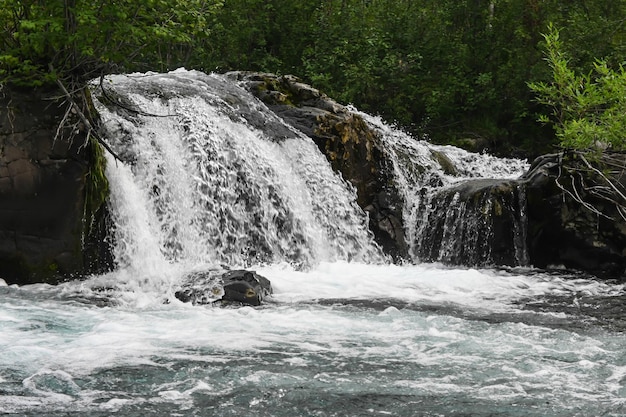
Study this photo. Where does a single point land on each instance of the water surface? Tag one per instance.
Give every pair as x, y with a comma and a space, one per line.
339, 340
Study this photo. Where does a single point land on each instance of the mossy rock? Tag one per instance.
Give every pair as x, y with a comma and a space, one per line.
444, 162
51, 203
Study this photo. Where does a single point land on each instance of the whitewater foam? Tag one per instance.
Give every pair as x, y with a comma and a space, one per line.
205, 186
338, 327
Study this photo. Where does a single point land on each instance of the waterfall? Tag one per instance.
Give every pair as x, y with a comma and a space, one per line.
210, 175
459, 207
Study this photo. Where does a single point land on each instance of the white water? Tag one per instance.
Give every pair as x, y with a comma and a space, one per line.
344, 334
467, 236
340, 339
205, 186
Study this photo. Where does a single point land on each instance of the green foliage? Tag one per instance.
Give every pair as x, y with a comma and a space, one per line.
587, 109
456, 71
448, 69
82, 39
259, 35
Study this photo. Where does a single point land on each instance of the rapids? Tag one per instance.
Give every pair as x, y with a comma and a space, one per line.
211, 176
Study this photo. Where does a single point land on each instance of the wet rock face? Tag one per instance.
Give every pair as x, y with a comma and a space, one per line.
559, 230
476, 222
222, 286
566, 211
573, 218
42, 185
349, 144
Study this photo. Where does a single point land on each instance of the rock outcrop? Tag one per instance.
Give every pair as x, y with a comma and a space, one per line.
476, 222
351, 146
51, 191
568, 210
530, 221
577, 212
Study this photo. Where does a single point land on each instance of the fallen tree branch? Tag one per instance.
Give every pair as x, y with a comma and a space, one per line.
125, 107
90, 129
57, 135
600, 187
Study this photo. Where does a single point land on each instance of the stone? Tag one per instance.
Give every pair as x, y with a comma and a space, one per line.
445, 162
224, 286
246, 287
569, 222
475, 223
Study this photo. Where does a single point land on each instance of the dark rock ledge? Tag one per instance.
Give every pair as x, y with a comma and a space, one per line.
575, 214
576, 218
52, 212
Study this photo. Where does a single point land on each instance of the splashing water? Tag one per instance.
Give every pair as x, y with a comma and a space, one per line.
439, 225
210, 177
203, 185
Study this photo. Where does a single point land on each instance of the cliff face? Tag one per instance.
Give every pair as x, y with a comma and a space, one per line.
46, 217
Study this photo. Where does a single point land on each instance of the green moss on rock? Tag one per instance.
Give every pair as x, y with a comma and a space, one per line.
96, 184
446, 163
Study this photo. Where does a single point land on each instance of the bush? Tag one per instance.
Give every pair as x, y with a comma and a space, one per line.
587, 110
82, 39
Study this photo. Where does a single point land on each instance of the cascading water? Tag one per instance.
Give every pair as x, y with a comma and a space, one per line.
205, 185
223, 180
211, 176
441, 224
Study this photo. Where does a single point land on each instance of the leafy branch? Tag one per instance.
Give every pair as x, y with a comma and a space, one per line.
587, 110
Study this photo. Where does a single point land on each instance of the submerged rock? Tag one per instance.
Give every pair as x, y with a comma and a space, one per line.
242, 286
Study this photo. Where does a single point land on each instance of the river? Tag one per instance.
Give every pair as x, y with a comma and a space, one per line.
345, 332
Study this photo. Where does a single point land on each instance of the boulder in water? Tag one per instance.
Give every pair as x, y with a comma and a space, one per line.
246, 287
241, 286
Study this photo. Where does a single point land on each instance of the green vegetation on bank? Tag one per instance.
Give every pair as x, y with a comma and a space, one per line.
77, 40
469, 72
588, 110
